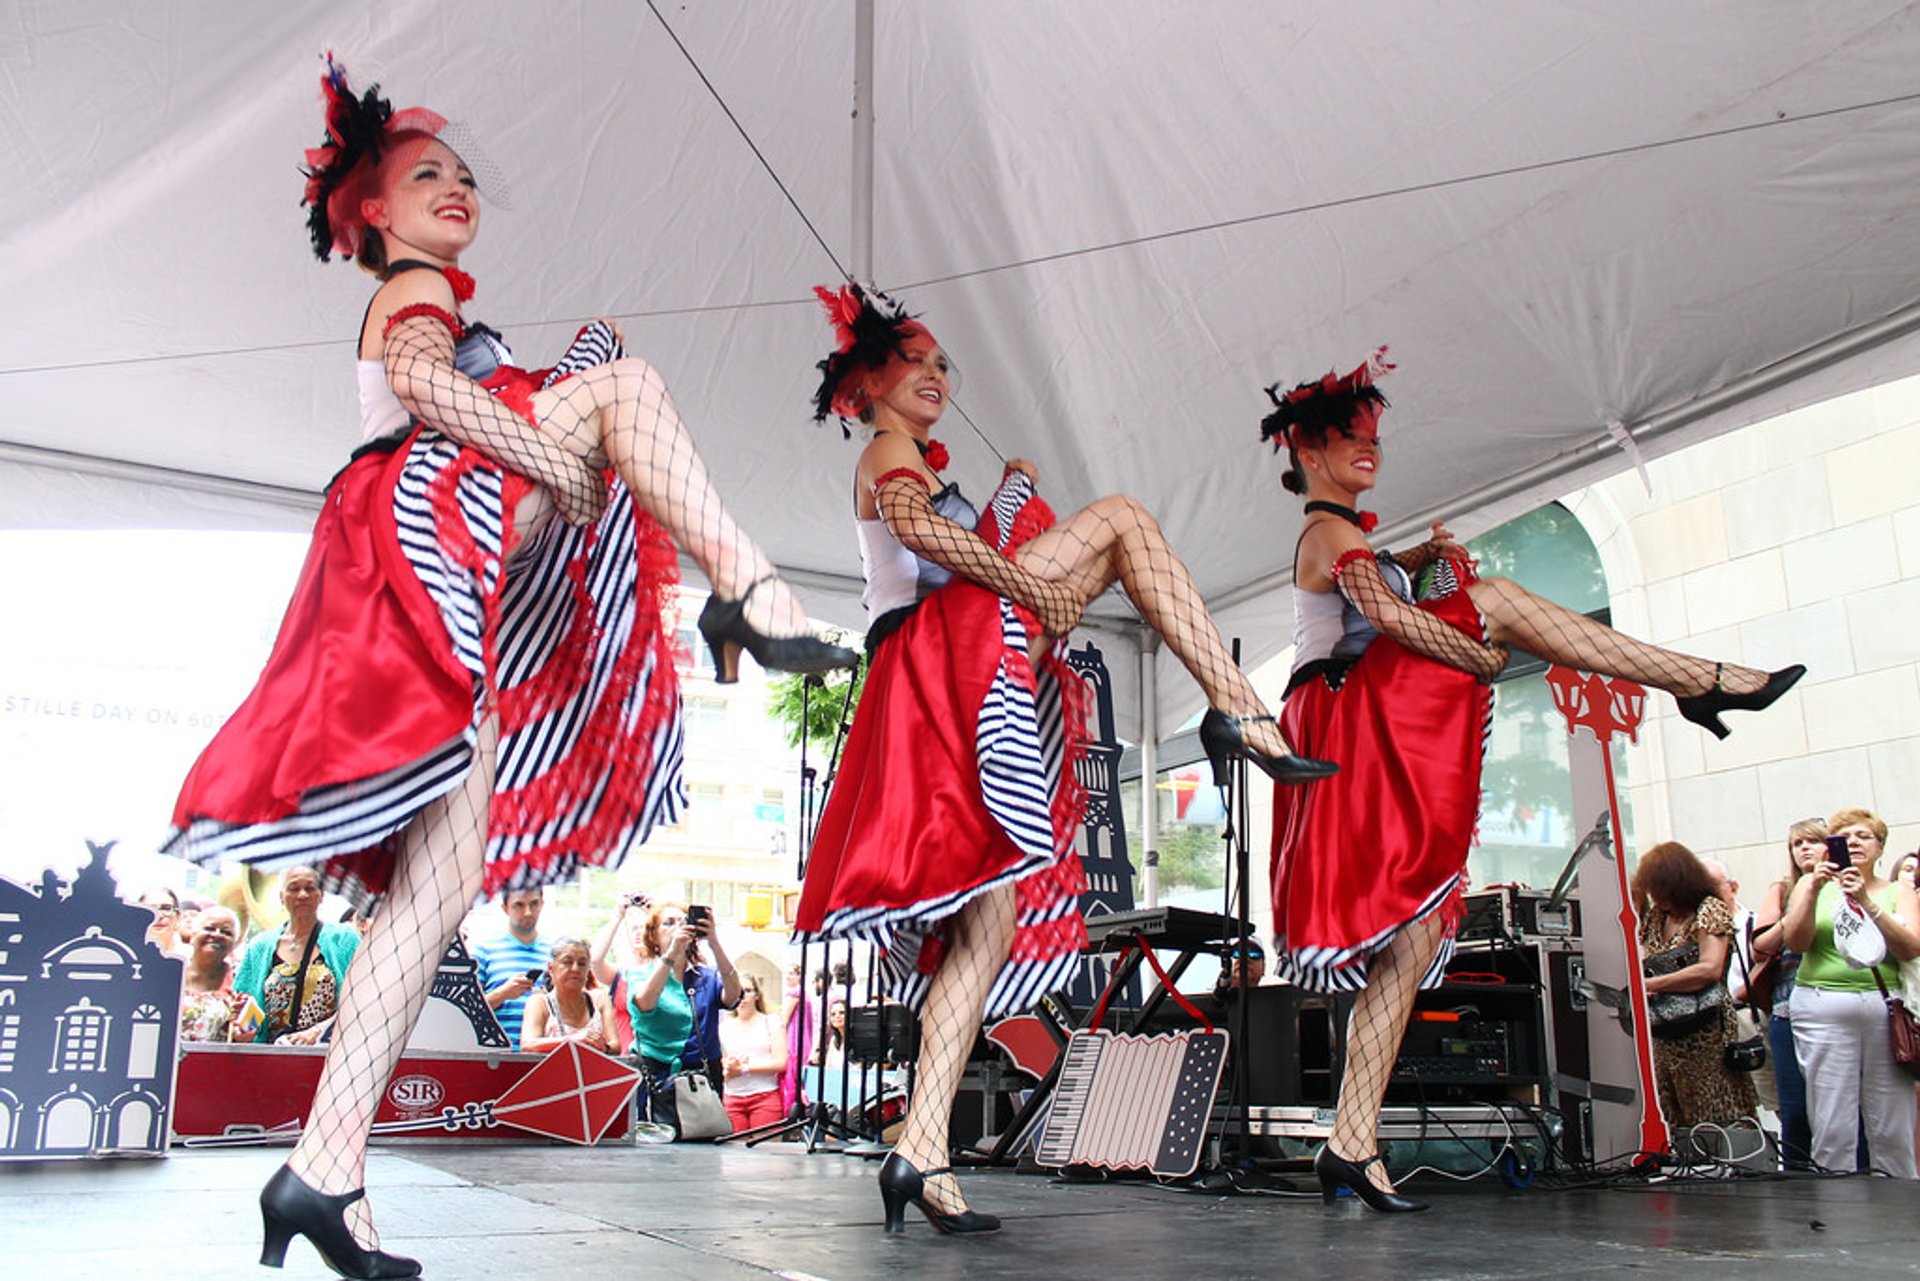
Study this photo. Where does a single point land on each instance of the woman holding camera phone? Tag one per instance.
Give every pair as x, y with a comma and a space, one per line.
1839, 1020
674, 998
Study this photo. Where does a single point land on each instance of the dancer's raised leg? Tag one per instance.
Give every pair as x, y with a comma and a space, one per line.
1703, 688
1118, 540
622, 412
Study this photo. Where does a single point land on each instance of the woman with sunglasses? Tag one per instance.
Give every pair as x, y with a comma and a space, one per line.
754, 1058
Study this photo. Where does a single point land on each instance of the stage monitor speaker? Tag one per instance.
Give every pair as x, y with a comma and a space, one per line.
882, 1034
1295, 1051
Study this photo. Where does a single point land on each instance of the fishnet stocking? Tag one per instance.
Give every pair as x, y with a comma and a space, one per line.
1374, 1029
1118, 540
439, 873
1361, 583
419, 360
979, 938
1059, 572
617, 414
1517, 617
622, 412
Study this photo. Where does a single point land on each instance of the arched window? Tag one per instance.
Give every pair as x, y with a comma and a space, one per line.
1526, 831
66, 1123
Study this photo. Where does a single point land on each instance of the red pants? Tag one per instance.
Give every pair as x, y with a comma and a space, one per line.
751, 1111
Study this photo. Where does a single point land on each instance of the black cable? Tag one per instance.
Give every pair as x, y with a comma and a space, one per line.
751, 145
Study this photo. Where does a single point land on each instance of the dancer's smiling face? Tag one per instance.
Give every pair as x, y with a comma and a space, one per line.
1350, 459
428, 206
914, 384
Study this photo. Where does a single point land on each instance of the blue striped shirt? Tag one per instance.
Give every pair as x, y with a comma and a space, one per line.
500, 959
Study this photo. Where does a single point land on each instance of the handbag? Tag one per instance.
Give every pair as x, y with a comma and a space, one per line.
699, 1112
1902, 1031
1747, 1052
1671, 1015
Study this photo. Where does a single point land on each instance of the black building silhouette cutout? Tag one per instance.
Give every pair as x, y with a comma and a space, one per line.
89, 1019
1104, 844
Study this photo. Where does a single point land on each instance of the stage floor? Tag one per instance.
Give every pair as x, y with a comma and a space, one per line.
483, 1210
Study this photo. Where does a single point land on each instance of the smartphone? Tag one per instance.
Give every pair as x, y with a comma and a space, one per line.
536, 975
1838, 854
700, 917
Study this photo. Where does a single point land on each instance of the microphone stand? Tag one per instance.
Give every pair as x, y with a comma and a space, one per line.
814, 1120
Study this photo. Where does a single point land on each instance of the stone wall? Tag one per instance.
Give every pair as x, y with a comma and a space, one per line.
1794, 540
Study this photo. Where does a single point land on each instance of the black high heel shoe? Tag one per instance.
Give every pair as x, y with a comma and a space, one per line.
900, 1184
1222, 739
1337, 1172
290, 1207
724, 625
1704, 709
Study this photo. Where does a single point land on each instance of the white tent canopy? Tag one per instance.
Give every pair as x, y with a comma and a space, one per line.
1121, 220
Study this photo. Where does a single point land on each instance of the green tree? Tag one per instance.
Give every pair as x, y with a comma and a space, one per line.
1192, 857
824, 704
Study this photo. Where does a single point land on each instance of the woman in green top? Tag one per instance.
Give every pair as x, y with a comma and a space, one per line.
661, 994
1839, 1020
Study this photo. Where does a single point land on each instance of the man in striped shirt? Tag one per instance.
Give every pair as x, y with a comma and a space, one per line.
510, 962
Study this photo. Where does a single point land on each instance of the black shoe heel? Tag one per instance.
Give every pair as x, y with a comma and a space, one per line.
290, 1207
1336, 1172
1222, 739
902, 1185
724, 625
1704, 709
277, 1235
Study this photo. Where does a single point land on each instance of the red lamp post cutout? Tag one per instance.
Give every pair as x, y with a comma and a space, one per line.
1605, 706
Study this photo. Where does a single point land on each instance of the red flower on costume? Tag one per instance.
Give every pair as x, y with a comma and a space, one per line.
462, 283
936, 455
1368, 521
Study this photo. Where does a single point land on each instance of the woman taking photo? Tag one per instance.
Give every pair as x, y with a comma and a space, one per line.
948, 836
671, 994
296, 973
1397, 692
1684, 920
1839, 1018
569, 1007
446, 631
1806, 848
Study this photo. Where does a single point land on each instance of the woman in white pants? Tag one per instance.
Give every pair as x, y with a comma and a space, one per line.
1839, 1020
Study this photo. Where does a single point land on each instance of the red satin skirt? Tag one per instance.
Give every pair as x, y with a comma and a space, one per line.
1360, 856
920, 819
405, 628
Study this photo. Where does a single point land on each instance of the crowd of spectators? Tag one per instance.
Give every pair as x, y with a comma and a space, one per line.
657, 987
1810, 962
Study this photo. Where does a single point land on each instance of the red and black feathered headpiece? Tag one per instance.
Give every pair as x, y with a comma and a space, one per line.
868, 337
342, 170
1306, 414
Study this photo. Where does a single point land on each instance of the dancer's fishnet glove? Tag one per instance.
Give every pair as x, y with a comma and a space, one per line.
907, 508
420, 369
1361, 583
